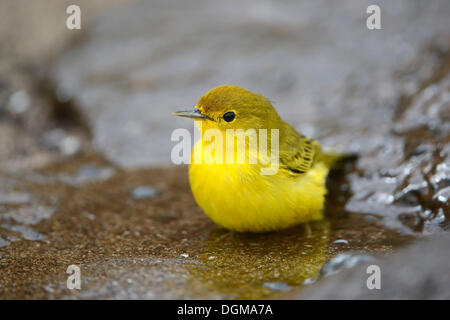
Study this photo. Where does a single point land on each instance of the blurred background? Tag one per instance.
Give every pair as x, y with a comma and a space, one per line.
107, 91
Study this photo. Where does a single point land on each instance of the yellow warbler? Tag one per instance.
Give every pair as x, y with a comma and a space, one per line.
237, 195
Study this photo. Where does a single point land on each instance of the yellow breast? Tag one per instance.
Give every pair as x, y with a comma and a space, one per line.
238, 197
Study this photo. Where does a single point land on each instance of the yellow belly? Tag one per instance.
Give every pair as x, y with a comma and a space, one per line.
238, 197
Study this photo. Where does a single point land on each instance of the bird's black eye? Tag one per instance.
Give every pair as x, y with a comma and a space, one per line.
229, 116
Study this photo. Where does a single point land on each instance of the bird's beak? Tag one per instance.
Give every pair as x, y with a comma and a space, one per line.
194, 114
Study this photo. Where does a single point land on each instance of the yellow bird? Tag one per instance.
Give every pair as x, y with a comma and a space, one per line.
236, 195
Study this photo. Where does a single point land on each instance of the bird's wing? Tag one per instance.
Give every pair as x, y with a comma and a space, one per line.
298, 154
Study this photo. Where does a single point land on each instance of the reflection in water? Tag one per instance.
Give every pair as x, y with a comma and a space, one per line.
239, 265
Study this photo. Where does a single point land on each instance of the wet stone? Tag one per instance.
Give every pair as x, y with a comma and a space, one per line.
417, 179
19, 102
341, 241
88, 173
14, 197
404, 276
309, 281
144, 192
442, 195
125, 77
3, 242
26, 232
62, 141
12, 238
343, 261
277, 286
29, 215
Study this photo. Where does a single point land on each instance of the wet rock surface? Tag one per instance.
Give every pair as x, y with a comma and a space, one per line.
163, 246
80, 133
403, 276
405, 179
129, 77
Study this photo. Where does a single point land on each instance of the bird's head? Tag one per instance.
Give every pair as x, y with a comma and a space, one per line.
231, 107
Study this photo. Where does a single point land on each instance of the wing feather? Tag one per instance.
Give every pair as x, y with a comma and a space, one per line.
298, 154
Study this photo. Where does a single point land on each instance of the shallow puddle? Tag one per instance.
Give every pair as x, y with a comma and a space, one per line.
130, 242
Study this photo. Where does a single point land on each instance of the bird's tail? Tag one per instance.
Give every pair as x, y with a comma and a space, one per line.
332, 158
